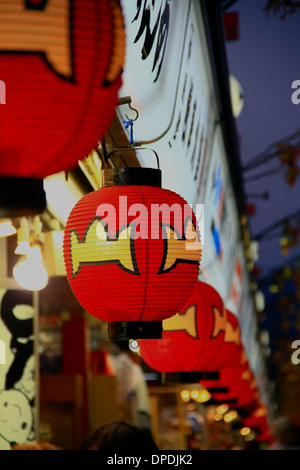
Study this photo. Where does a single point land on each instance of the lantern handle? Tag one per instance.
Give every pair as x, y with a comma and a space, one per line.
130, 149
127, 100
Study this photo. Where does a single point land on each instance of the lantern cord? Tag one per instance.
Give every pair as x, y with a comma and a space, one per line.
129, 124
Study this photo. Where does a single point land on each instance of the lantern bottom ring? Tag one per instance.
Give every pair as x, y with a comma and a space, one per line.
117, 331
189, 377
20, 197
231, 401
218, 390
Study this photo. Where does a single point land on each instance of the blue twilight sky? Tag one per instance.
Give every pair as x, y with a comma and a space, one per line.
266, 61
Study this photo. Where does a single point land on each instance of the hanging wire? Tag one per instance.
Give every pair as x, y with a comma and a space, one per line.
265, 195
276, 224
263, 174
272, 151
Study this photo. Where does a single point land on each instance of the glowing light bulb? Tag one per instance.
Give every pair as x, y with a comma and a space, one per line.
7, 228
230, 416
218, 417
185, 396
237, 96
274, 289
29, 272
221, 409
203, 396
195, 394
245, 431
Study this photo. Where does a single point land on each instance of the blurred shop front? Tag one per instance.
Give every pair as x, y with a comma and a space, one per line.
57, 365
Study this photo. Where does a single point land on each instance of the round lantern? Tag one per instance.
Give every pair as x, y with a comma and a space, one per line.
132, 252
228, 375
234, 384
243, 391
232, 348
61, 63
265, 437
192, 339
258, 419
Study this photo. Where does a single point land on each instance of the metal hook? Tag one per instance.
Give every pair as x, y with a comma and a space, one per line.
127, 100
136, 112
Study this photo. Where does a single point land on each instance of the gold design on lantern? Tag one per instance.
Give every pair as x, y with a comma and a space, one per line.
183, 322
97, 247
232, 335
220, 322
178, 249
38, 31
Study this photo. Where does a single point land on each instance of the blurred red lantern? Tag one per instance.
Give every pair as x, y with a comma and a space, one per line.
232, 349
243, 390
193, 339
234, 383
258, 419
61, 63
132, 252
265, 437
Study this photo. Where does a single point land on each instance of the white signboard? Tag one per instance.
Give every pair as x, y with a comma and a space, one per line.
221, 222
167, 76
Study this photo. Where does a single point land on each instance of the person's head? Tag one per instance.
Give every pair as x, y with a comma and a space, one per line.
283, 431
121, 437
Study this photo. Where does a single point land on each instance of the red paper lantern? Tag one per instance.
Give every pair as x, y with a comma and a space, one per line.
132, 252
229, 375
266, 438
234, 385
193, 339
232, 348
61, 62
258, 419
240, 391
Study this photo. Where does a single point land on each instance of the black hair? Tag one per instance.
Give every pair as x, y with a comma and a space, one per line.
120, 437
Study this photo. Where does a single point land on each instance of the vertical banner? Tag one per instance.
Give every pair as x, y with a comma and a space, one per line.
18, 385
